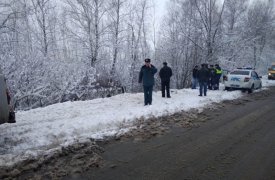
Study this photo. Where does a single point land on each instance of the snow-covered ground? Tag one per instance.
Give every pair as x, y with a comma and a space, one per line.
40, 131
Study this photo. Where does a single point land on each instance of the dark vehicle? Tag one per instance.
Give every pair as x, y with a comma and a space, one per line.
7, 114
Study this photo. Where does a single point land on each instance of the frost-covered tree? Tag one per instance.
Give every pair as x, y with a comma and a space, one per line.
232, 33
233, 43
55, 51
182, 43
259, 23
87, 25
44, 20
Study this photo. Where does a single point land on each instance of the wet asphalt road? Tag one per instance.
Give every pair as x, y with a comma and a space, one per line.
236, 142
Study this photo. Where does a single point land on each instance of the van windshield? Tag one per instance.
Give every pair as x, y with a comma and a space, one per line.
273, 67
240, 72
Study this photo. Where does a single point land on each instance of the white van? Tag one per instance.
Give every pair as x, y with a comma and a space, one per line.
4, 107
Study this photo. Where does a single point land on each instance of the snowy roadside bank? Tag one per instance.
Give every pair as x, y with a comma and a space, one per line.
41, 131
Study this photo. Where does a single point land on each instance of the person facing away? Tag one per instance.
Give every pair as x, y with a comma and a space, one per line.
212, 73
165, 74
203, 77
195, 77
218, 75
146, 76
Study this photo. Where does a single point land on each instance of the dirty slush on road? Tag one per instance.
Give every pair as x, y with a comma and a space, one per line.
83, 157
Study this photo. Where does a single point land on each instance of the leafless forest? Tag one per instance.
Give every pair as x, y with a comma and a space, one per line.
58, 50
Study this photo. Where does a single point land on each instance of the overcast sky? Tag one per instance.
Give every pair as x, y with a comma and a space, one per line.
160, 7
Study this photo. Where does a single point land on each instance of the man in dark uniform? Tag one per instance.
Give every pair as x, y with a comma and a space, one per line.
146, 75
165, 75
203, 77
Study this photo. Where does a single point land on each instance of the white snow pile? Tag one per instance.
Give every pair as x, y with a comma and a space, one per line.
41, 131
266, 82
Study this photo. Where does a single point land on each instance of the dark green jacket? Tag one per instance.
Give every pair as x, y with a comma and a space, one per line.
146, 75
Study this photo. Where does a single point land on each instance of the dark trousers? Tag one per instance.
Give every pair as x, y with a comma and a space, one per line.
217, 82
203, 87
148, 90
165, 85
211, 83
194, 83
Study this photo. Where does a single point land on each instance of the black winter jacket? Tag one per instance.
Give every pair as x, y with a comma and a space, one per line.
195, 73
165, 73
203, 75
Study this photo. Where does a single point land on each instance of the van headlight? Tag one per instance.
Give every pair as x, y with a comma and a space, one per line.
269, 74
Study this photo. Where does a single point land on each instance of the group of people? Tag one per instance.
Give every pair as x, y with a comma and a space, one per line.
206, 77
146, 76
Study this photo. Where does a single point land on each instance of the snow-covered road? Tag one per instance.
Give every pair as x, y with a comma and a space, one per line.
42, 130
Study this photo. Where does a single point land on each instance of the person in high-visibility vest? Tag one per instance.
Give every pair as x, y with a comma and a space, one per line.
218, 75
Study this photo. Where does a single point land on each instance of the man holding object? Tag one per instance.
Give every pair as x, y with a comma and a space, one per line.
146, 75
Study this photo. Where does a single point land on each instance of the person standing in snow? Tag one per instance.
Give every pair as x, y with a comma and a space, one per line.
146, 76
212, 73
195, 77
203, 76
165, 74
218, 75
